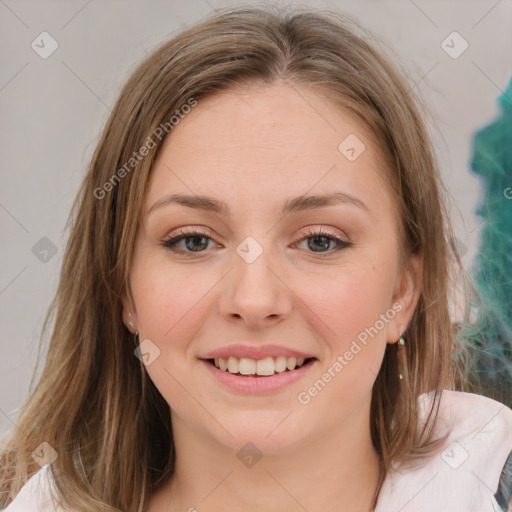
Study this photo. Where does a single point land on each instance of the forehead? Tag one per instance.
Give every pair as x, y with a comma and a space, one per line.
266, 141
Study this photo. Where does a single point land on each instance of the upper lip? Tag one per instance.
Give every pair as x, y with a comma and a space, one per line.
254, 352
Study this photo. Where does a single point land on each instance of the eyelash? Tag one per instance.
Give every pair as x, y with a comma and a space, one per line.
170, 243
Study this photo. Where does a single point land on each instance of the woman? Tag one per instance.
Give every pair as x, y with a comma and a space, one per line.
253, 306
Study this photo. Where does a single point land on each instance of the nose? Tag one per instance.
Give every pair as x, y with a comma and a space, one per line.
256, 293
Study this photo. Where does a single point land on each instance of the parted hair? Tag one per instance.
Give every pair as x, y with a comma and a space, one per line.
94, 402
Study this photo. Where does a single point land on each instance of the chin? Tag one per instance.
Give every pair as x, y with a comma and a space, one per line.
271, 436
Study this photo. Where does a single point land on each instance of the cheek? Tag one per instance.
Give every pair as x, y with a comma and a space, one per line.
351, 299
352, 315
171, 307
168, 302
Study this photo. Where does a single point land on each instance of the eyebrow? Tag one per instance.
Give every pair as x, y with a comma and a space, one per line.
292, 205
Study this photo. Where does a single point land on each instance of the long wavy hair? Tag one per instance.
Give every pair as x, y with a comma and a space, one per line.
94, 402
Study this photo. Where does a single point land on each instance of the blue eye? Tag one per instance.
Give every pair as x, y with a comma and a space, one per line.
323, 240
196, 241
199, 241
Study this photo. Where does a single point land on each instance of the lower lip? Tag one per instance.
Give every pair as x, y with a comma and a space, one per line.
258, 385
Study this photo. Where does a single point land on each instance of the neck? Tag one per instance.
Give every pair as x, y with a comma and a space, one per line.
337, 472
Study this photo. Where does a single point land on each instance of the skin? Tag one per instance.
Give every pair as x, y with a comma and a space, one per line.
254, 148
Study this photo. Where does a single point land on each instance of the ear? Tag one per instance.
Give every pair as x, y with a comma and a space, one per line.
129, 314
405, 296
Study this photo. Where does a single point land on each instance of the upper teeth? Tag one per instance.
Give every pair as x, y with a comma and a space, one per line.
266, 366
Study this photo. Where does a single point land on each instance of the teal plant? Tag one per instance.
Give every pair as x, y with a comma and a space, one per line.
488, 329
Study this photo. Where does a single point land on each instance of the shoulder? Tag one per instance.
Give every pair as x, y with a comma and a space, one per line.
35, 495
468, 472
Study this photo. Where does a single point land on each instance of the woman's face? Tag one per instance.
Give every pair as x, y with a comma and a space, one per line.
262, 284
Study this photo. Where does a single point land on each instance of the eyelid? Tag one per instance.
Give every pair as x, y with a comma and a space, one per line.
312, 231
191, 231
202, 231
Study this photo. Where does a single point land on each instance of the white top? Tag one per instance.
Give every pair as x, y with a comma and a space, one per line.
463, 476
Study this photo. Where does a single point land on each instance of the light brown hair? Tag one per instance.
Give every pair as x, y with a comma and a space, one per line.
94, 402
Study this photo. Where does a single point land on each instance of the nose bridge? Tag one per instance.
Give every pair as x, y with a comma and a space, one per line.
255, 291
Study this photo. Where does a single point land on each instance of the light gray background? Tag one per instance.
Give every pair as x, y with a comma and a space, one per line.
52, 111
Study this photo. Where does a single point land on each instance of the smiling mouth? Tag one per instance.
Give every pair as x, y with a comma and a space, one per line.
244, 367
